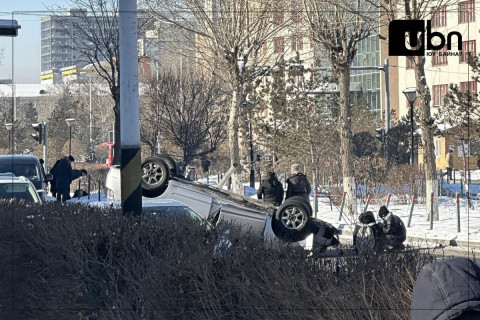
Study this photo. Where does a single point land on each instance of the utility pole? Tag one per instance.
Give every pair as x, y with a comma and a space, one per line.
130, 160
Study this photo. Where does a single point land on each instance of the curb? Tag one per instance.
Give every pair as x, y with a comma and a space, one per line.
412, 239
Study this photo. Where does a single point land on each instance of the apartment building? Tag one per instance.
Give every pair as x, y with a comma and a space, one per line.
444, 67
57, 49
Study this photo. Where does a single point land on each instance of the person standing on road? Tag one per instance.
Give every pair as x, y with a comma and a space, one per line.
449, 161
63, 177
298, 184
53, 182
393, 228
271, 189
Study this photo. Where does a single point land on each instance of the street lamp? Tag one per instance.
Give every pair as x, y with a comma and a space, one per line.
70, 122
9, 127
411, 94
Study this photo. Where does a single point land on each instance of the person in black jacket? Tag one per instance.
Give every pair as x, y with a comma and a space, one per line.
367, 219
393, 228
64, 175
447, 290
271, 189
297, 184
53, 182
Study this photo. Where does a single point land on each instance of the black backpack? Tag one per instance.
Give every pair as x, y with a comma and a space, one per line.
365, 241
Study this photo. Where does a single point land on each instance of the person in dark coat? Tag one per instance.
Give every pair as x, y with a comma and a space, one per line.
63, 177
53, 182
447, 290
271, 189
393, 228
368, 219
297, 184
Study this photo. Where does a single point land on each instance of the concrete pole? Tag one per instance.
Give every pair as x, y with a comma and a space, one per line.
130, 155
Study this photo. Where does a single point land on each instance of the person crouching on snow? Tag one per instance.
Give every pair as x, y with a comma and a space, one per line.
393, 228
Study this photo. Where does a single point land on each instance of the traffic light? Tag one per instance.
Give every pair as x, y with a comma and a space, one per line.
380, 133
39, 135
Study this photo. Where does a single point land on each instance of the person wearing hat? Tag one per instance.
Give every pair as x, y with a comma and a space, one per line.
271, 189
297, 184
393, 228
447, 290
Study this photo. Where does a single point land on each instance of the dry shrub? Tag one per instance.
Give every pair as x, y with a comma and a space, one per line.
402, 180
74, 262
97, 176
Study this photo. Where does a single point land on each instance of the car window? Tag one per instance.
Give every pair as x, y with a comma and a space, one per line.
29, 170
20, 191
179, 211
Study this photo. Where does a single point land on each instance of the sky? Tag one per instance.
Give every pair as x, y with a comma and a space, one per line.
26, 46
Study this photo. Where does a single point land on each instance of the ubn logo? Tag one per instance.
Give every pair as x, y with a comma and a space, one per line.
402, 45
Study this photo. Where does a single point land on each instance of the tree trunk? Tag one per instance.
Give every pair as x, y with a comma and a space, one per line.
346, 145
429, 165
237, 181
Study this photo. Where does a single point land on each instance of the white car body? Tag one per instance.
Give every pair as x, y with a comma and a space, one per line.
209, 201
10, 185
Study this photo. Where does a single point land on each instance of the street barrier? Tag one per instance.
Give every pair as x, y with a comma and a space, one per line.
366, 205
457, 198
411, 211
387, 203
341, 206
88, 186
431, 210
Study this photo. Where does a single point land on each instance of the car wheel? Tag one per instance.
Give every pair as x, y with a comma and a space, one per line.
290, 222
300, 201
155, 175
172, 165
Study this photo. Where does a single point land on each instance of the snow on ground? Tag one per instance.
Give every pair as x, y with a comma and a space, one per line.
443, 230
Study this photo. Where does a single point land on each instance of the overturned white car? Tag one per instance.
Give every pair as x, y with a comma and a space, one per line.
291, 222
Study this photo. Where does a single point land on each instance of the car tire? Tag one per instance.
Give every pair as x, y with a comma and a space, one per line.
172, 165
290, 222
300, 201
155, 175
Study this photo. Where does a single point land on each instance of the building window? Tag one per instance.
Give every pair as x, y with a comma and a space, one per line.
296, 11
466, 147
410, 64
470, 86
278, 45
439, 57
469, 49
466, 11
278, 17
439, 92
438, 148
297, 43
439, 17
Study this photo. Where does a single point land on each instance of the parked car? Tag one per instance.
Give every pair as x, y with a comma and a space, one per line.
27, 166
20, 188
291, 222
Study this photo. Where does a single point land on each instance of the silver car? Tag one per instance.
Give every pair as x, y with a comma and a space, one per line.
291, 222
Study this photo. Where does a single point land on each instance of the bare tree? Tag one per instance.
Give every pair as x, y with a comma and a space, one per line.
186, 111
230, 37
92, 29
420, 10
338, 27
